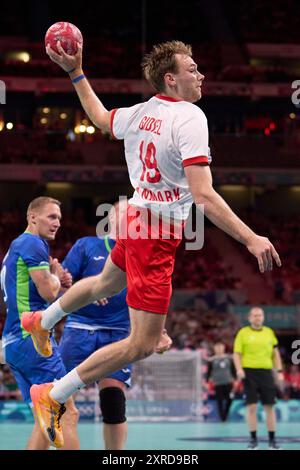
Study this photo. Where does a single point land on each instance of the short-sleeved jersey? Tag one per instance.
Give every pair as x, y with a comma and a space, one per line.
161, 137
87, 258
220, 369
256, 347
26, 253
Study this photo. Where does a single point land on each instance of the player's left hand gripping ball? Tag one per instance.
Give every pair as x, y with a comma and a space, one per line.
67, 33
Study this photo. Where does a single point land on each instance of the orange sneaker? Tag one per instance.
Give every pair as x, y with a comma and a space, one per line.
31, 322
48, 412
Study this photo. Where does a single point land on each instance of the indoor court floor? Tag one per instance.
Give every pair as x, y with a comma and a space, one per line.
164, 436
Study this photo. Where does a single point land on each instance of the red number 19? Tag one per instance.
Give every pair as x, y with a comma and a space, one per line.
149, 163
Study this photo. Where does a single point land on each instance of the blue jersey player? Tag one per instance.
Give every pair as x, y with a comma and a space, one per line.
30, 279
97, 325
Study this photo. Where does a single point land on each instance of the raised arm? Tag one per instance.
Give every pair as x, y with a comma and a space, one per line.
217, 210
93, 107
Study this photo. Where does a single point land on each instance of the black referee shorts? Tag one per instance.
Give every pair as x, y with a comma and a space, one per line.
259, 384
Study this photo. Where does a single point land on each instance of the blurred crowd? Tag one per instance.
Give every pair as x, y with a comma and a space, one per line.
126, 41
123, 62
284, 231
38, 147
203, 269
264, 21
200, 328
232, 145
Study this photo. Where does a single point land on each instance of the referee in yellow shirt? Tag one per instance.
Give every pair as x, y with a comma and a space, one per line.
255, 355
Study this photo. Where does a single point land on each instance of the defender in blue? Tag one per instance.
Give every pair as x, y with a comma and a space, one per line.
30, 279
95, 326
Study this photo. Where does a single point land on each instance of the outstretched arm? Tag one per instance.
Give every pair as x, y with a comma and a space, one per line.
218, 211
93, 107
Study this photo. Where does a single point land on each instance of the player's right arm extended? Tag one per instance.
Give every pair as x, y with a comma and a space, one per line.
47, 284
93, 107
217, 210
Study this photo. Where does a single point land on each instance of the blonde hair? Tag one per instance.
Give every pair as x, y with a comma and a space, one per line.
161, 60
40, 202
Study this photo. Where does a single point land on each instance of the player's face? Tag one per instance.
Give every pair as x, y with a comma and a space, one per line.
47, 221
256, 318
188, 79
219, 348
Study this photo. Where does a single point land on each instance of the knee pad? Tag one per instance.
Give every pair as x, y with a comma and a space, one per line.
112, 405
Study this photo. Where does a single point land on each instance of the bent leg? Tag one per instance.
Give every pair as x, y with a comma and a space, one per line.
109, 282
146, 330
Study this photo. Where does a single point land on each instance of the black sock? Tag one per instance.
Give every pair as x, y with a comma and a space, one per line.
271, 435
253, 435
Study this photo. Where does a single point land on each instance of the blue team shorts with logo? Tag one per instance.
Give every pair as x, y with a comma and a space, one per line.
77, 344
30, 368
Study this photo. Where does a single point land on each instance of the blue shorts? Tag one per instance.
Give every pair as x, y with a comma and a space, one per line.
30, 368
77, 344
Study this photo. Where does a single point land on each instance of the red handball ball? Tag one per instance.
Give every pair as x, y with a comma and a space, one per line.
67, 33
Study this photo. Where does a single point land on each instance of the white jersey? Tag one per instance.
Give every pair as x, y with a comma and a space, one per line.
161, 137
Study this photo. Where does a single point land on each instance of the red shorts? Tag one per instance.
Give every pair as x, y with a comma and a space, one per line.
148, 262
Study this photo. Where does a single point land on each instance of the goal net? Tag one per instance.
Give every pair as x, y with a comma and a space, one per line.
166, 387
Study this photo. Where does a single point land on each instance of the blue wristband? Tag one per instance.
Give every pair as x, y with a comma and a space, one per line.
70, 71
77, 79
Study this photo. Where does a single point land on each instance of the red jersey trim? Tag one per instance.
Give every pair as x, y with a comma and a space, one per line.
166, 98
194, 160
112, 116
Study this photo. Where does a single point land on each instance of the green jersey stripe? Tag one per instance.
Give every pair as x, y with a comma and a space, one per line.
107, 245
22, 290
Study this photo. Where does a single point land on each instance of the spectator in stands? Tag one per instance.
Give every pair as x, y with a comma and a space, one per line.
292, 382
